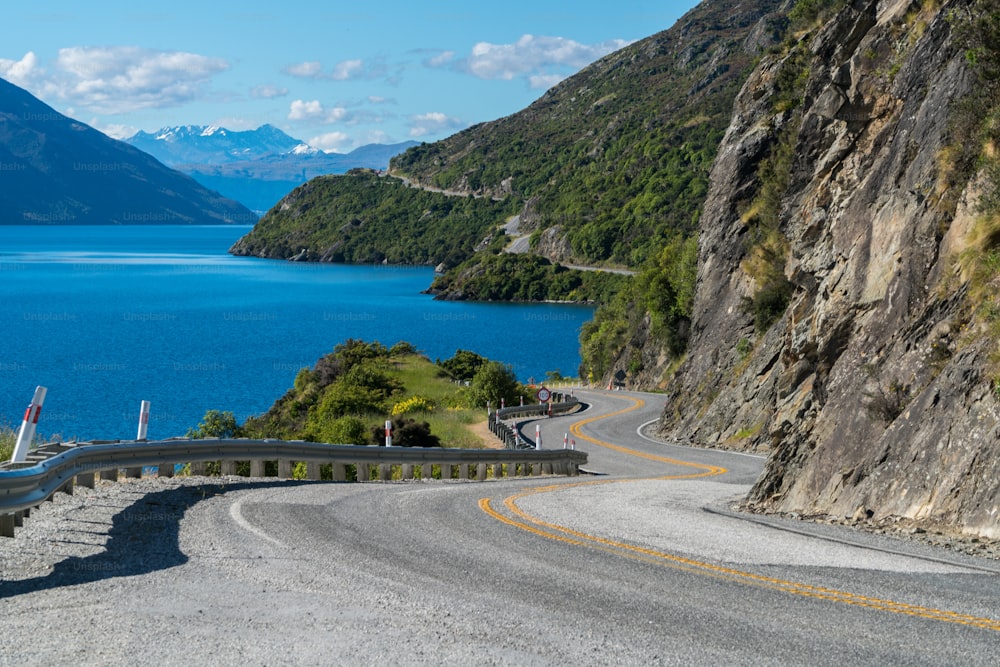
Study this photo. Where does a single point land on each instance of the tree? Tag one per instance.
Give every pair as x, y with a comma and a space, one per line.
463, 365
216, 424
491, 383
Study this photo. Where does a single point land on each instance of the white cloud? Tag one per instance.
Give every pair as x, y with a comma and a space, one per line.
267, 92
309, 70
114, 130
331, 142
544, 81
434, 122
19, 72
537, 57
345, 70
441, 59
314, 110
118, 79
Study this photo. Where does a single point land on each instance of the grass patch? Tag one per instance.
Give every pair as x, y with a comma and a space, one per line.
8, 438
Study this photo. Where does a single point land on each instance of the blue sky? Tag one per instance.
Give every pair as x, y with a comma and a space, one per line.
335, 74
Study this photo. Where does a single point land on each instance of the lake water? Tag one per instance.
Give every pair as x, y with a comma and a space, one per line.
106, 317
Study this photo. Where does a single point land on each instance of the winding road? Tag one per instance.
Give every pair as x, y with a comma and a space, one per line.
639, 563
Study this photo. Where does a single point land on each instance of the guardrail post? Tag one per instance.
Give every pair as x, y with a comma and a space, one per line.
6, 525
227, 467
362, 473
497, 470
480, 472
109, 475
143, 421
165, 470
427, 471
86, 480
27, 432
339, 472
197, 468
384, 472
463, 471
445, 471
133, 472
407, 471
257, 468
312, 470
284, 469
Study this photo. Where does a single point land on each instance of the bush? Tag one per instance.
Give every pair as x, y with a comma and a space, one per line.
345, 430
406, 433
413, 404
494, 381
216, 424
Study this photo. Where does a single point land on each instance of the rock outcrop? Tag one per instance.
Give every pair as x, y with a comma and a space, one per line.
869, 393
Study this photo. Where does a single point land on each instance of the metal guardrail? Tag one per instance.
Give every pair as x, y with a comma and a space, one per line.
24, 486
510, 436
538, 409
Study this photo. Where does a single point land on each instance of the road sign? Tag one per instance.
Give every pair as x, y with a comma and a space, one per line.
543, 395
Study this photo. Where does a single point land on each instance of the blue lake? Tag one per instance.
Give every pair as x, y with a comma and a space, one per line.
106, 317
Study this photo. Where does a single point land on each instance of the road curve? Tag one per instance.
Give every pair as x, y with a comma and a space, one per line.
623, 566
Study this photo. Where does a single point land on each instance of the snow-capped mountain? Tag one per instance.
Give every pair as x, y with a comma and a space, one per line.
254, 167
211, 144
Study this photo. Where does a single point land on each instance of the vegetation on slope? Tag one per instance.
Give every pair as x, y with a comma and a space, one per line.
8, 438
361, 218
520, 277
347, 396
975, 150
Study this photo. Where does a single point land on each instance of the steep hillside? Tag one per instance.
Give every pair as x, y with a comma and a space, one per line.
615, 159
55, 170
845, 317
362, 217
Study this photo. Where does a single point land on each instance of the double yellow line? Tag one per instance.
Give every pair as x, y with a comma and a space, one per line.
531, 524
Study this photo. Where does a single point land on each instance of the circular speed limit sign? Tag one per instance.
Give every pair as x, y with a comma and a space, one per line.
543, 395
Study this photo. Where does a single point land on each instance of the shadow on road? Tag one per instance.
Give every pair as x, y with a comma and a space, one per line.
143, 538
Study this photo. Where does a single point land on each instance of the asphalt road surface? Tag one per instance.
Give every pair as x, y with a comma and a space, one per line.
639, 562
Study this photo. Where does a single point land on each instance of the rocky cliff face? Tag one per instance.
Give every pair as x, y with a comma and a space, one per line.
869, 393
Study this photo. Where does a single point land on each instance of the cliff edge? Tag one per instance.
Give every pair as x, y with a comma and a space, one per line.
837, 324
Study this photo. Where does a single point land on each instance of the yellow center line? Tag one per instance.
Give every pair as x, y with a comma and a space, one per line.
559, 533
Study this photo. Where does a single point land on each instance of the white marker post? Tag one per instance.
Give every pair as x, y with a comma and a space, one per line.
143, 420
27, 432
565, 440
388, 433
538, 436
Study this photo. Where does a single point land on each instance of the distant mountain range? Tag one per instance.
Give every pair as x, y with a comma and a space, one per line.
256, 167
57, 170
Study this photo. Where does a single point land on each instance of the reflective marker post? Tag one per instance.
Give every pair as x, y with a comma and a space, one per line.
388, 433
143, 420
27, 432
538, 436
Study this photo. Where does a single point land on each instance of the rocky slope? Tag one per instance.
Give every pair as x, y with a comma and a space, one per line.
872, 392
